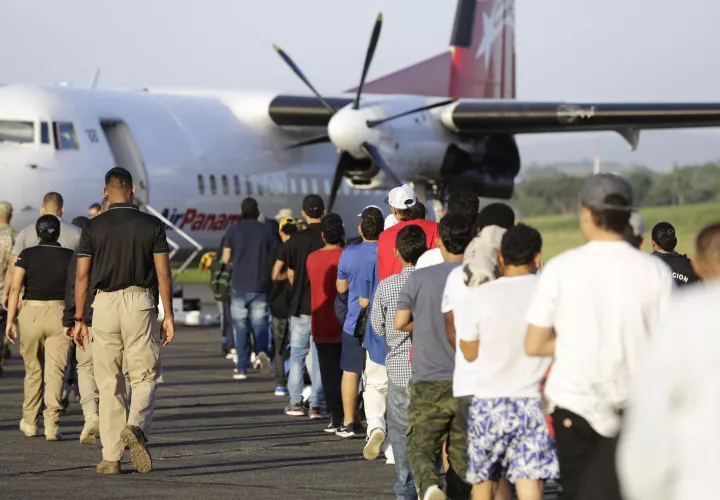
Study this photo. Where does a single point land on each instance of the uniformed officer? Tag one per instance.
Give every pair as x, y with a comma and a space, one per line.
7, 240
127, 251
42, 269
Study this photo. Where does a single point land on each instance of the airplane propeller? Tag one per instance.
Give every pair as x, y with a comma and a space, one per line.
349, 129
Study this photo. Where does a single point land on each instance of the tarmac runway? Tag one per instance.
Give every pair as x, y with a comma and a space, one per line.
212, 437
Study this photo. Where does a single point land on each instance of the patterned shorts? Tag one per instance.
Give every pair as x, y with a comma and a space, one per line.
509, 437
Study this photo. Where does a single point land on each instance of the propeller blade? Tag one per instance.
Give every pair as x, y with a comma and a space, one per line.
376, 156
375, 123
337, 179
308, 142
368, 59
300, 74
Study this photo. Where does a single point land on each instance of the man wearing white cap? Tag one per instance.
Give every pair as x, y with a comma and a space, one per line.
401, 200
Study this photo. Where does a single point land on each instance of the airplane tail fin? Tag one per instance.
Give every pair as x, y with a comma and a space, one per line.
479, 64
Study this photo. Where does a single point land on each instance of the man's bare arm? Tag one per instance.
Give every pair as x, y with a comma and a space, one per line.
403, 320
363, 302
291, 276
226, 256
82, 283
470, 349
450, 328
277, 272
342, 286
540, 341
164, 275
8, 279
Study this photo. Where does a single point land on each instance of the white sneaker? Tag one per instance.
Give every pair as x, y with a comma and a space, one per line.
253, 359
239, 376
374, 444
91, 429
434, 493
27, 429
231, 354
264, 362
389, 456
53, 435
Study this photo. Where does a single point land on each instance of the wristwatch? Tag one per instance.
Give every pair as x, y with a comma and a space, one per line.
79, 320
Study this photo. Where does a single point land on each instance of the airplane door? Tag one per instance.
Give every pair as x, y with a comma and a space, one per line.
127, 155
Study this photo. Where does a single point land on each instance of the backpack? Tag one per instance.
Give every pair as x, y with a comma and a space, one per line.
220, 274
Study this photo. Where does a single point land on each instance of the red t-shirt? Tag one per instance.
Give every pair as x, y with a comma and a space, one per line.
322, 271
388, 265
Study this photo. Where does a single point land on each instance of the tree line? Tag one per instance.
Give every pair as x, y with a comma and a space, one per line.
549, 191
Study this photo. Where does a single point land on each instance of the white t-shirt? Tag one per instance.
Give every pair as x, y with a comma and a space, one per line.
669, 447
603, 300
430, 258
454, 299
494, 314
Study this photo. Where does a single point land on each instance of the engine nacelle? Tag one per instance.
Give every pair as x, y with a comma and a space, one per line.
488, 166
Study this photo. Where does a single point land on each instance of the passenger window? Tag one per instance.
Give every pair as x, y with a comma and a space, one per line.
236, 181
65, 137
248, 186
225, 185
303, 186
201, 185
260, 186
213, 185
314, 184
44, 133
326, 184
20, 132
293, 186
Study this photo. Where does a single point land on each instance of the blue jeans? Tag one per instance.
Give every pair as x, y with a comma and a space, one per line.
250, 310
299, 349
398, 414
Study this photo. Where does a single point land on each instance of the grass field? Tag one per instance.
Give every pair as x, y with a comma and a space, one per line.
561, 232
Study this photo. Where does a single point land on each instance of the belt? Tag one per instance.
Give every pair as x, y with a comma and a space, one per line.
43, 303
130, 289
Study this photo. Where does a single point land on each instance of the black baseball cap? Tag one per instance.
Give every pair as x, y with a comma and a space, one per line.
313, 203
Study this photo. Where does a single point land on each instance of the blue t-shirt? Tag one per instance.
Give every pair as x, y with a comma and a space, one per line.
250, 241
374, 344
352, 264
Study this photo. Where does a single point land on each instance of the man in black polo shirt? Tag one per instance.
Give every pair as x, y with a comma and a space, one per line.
294, 255
127, 251
246, 245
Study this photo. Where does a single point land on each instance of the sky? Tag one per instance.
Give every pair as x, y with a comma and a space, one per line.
612, 50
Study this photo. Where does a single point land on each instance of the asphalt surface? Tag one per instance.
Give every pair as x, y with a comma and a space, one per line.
212, 437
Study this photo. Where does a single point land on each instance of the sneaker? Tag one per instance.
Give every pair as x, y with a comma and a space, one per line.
434, 493
264, 362
231, 354
91, 430
281, 391
134, 438
53, 435
374, 443
27, 429
295, 410
315, 413
332, 428
108, 467
254, 361
389, 456
306, 393
239, 376
346, 431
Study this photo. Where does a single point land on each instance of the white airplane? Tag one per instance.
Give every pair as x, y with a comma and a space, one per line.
195, 154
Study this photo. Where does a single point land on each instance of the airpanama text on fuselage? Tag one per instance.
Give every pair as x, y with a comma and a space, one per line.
200, 221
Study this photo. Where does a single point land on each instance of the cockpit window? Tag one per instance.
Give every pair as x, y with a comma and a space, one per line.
65, 137
19, 132
44, 133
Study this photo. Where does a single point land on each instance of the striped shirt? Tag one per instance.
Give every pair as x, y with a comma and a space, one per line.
382, 316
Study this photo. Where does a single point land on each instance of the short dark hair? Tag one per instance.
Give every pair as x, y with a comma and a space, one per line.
249, 208
313, 206
456, 232
464, 202
663, 234
289, 229
614, 221
495, 214
418, 210
47, 228
119, 177
53, 200
95, 206
411, 243
520, 244
332, 229
372, 223
81, 222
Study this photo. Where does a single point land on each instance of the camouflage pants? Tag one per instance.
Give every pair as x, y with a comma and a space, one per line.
432, 422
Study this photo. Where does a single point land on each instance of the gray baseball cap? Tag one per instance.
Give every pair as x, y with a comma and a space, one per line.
598, 187
637, 223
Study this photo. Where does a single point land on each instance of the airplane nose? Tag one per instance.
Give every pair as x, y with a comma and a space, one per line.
348, 130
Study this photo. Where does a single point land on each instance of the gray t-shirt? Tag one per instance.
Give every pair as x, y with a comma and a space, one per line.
69, 236
433, 358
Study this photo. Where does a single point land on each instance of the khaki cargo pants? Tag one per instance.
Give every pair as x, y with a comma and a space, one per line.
125, 328
44, 348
